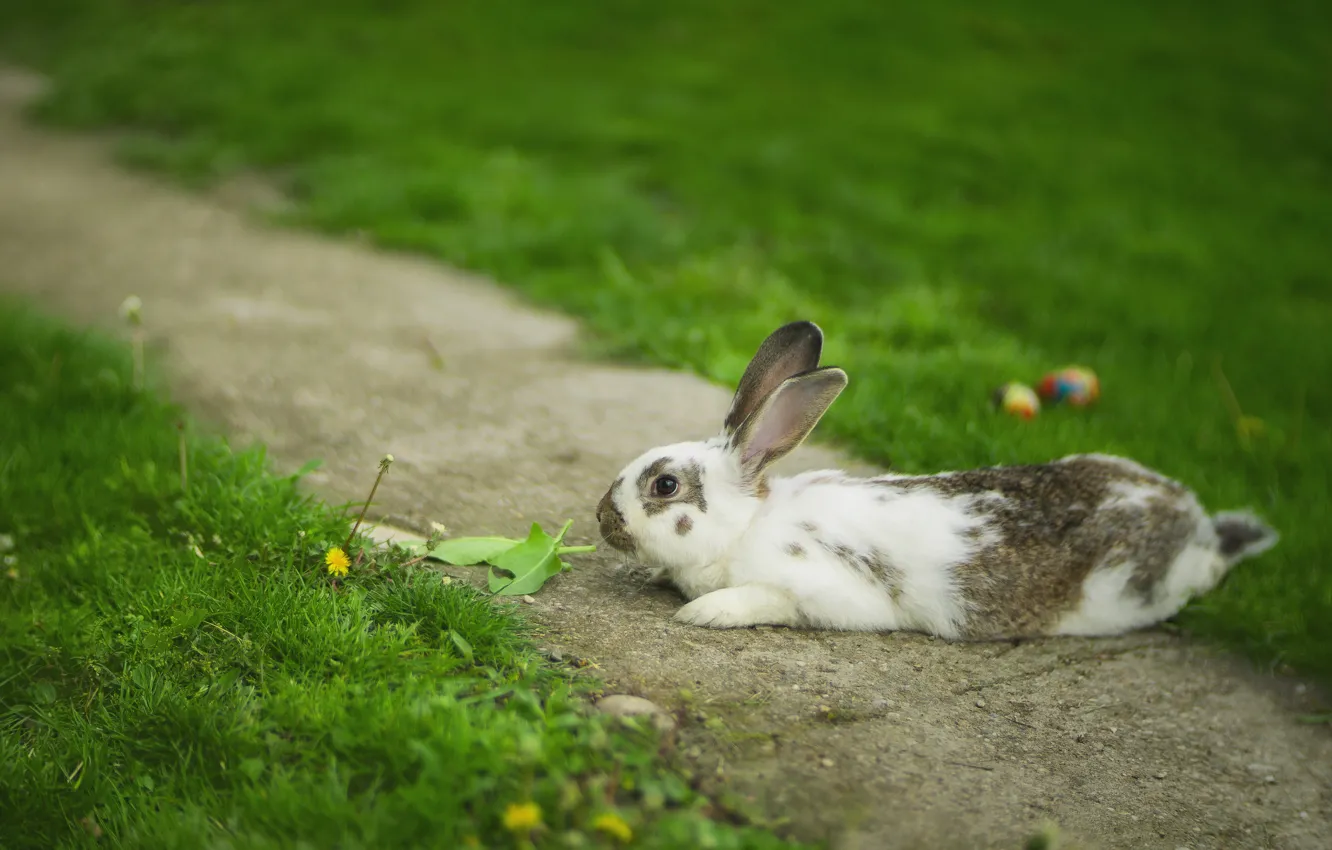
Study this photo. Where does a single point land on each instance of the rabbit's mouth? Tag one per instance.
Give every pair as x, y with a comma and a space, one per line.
621, 541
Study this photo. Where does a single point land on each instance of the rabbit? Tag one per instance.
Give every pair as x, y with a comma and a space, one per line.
1089, 544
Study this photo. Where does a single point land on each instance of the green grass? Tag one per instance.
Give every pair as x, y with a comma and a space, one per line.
178, 670
961, 194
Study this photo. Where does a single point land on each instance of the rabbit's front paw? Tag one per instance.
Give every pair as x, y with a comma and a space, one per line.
739, 607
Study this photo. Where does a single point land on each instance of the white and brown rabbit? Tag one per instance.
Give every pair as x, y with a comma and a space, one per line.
1087, 545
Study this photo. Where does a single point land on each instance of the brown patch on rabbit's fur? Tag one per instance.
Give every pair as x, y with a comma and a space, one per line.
1049, 527
692, 476
761, 488
873, 565
611, 521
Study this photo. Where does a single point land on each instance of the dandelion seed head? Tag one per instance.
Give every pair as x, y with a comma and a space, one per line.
131, 310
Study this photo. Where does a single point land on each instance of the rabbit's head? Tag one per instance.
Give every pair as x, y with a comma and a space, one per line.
682, 506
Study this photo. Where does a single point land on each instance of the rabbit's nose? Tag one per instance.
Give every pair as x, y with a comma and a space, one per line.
608, 516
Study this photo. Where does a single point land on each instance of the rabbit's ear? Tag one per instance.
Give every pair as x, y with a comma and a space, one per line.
791, 349
785, 418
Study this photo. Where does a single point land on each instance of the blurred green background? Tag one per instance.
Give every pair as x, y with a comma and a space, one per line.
962, 194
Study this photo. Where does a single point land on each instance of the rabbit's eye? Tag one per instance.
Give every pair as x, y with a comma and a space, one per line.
665, 486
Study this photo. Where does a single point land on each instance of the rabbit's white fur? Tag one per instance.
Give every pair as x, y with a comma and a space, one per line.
733, 565
942, 554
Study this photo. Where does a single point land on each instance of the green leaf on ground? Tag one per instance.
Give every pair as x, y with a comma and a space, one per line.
524, 565
464, 551
531, 563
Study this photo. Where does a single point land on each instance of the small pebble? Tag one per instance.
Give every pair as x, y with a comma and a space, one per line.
980, 703
1160, 774
626, 705
828, 762
527, 599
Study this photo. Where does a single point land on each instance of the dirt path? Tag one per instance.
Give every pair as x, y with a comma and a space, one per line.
319, 349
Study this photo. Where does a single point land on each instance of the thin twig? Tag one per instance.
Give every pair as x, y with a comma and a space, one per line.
137, 341
969, 764
229, 634
131, 310
184, 458
383, 468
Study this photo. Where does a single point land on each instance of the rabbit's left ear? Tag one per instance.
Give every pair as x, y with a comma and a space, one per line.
790, 350
785, 418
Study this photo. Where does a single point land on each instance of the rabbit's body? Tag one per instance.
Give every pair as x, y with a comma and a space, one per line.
1086, 545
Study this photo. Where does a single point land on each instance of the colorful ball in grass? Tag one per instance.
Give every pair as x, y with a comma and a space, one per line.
1075, 385
1017, 400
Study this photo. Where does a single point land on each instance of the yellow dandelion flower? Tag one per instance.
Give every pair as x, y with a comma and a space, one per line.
337, 561
522, 817
614, 826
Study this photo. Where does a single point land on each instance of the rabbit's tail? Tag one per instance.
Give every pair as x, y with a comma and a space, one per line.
1242, 535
